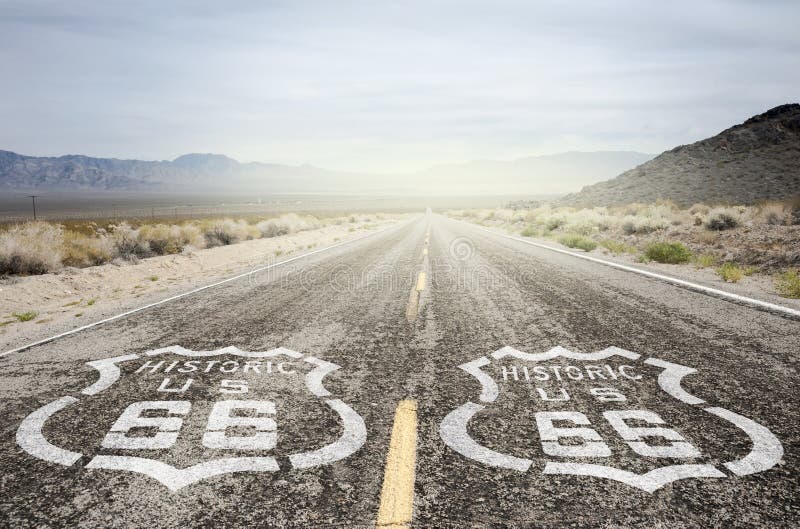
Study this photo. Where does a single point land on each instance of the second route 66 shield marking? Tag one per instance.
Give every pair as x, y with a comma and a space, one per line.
577, 395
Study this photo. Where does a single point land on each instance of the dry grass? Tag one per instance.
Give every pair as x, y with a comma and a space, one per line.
774, 213
31, 248
637, 225
81, 250
223, 232
667, 252
730, 272
42, 247
723, 218
766, 236
617, 247
286, 224
25, 316
162, 239
704, 260
635, 218
574, 240
788, 284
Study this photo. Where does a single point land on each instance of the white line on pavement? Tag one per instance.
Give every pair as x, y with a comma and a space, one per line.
190, 292
765, 305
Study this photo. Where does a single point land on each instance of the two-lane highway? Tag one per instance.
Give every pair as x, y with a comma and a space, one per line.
431, 375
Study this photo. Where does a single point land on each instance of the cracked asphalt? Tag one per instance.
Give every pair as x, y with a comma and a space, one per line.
674, 460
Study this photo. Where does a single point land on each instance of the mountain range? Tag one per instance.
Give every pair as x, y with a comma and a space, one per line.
754, 161
550, 174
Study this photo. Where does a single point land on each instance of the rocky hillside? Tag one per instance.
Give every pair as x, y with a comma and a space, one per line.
757, 160
76, 172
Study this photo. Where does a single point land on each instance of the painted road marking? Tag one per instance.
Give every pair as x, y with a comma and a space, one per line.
412, 309
714, 292
255, 371
421, 282
397, 495
413, 305
190, 292
610, 377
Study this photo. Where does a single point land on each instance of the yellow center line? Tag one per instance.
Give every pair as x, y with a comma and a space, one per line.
413, 306
397, 495
421, 282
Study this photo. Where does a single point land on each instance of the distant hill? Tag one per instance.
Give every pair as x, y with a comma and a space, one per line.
756, 160
553, 174
200, 171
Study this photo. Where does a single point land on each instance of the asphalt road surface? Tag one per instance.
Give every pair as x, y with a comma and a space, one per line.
431, 375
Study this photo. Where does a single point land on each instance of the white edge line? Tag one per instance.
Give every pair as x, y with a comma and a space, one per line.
190, 292
772, 307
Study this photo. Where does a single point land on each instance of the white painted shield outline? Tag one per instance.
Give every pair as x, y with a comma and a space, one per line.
765, 453
31, 438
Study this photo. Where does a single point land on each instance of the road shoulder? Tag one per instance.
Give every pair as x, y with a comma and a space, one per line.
77, 296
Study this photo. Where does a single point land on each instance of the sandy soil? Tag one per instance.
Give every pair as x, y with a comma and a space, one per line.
77, 296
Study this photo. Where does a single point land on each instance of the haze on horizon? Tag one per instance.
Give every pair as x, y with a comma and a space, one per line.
374, 87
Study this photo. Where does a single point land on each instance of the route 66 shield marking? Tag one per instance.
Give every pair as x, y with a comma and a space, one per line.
568, 386
208, 413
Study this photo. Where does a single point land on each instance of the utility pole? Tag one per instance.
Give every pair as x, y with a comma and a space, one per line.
33, 199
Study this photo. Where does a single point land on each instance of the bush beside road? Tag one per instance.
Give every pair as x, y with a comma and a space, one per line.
32, 248
756, 246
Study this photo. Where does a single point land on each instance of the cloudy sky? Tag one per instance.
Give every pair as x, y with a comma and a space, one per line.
387, 86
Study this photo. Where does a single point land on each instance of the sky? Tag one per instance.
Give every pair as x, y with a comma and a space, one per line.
387, 86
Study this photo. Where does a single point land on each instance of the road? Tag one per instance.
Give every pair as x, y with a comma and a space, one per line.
430, 375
